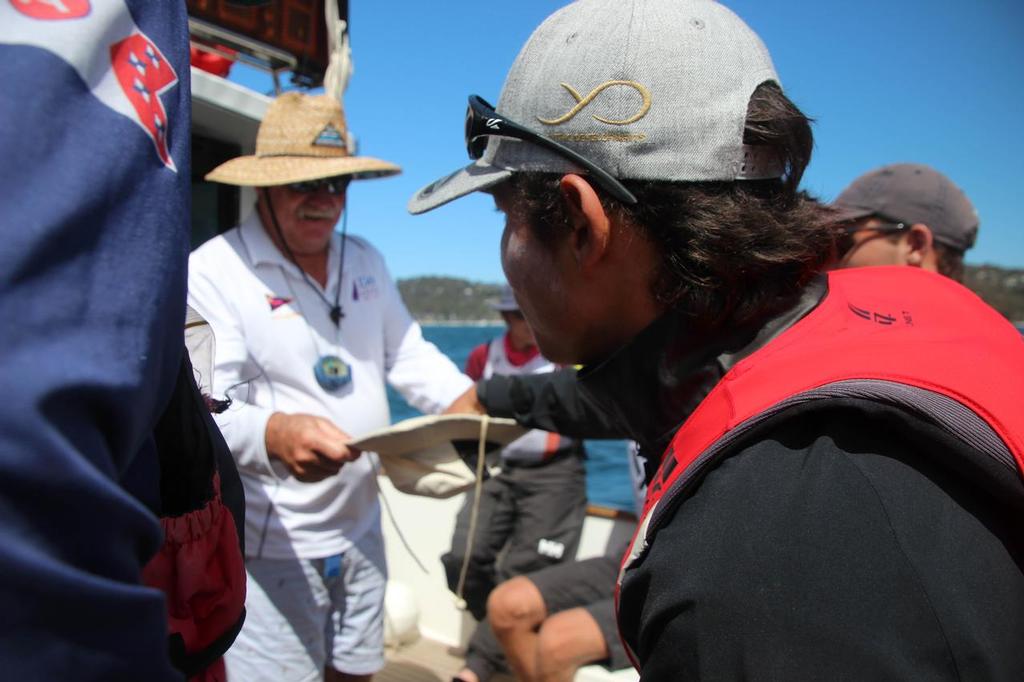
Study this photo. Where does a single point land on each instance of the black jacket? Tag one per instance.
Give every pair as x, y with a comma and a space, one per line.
834, 545
831, 544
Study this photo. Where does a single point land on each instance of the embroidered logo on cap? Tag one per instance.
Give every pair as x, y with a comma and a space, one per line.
582, 102
330, 137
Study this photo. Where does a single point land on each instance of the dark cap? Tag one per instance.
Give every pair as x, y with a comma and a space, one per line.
912, 193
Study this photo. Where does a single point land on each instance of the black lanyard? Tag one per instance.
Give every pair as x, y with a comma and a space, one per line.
336, 313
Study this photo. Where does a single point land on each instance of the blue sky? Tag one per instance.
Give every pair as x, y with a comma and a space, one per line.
936, 82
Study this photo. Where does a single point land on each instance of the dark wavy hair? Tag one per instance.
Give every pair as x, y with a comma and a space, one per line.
732, 253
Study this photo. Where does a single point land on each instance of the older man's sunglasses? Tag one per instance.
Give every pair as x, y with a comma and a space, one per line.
335, 185
482, 121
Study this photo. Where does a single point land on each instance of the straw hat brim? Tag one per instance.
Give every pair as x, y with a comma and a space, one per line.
266, 171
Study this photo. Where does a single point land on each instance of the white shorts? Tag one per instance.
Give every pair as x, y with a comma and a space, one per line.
305, 614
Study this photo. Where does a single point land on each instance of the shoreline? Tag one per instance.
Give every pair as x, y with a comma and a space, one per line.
459, 323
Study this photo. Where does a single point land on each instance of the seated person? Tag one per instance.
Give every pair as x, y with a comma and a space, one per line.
553, 621
531, 514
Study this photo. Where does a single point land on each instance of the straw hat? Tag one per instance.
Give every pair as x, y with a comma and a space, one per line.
302, 137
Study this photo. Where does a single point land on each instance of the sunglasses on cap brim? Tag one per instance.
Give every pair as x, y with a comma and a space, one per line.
482, 122
335, 185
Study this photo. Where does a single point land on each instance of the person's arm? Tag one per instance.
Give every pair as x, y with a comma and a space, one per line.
853, 555
92, 294
310, 447
552, 402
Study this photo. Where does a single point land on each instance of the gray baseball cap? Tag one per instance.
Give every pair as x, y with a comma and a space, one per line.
645, 89
912, 193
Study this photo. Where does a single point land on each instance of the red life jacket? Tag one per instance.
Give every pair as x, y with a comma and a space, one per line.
898, 335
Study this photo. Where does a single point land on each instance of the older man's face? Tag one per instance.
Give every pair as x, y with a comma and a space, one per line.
307, 219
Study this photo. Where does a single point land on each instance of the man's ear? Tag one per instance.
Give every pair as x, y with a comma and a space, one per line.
918, 245
590, 224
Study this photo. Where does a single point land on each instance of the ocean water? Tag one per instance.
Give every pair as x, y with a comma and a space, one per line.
607, 472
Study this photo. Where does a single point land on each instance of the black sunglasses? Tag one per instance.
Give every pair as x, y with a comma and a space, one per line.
845, 242
335, 185
482, 121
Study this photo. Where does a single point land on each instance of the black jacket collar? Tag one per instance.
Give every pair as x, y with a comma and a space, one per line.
652, 384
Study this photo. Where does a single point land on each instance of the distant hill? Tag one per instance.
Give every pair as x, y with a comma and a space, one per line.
449, 299
1002, 288
434, 300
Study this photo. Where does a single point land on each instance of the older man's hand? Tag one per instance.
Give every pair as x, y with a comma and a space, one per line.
312, 448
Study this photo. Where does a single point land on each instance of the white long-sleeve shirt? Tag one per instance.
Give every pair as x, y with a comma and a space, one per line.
271, 327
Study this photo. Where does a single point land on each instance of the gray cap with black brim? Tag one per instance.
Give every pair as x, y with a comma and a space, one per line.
645, 89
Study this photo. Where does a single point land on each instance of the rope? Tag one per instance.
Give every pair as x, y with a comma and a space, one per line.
460, 601
474, 513
339, 60
394, 524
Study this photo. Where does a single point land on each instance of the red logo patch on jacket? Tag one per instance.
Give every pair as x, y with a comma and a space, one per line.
52, 9
144, 73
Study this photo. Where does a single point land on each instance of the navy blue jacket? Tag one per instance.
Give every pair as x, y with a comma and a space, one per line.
94, 203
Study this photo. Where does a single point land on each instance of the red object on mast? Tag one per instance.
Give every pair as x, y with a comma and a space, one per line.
294, 27
211, 62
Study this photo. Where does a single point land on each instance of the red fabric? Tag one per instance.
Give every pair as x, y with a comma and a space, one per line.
518, 358
897, 324
200, 570
552, 445
476, 362
210, 62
